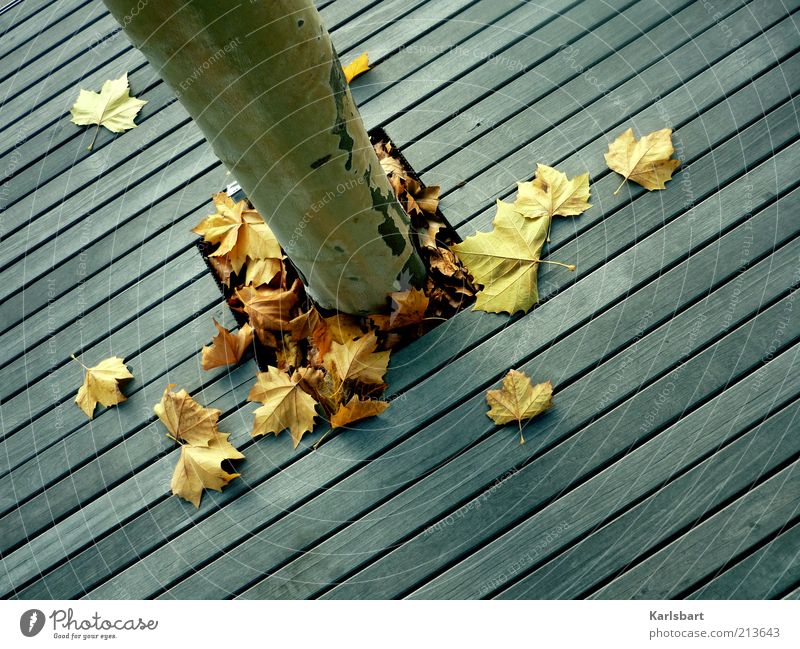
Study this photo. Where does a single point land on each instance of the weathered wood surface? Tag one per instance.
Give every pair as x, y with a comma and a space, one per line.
673, 348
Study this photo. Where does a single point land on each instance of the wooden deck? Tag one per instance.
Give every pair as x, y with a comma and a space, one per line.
670, 464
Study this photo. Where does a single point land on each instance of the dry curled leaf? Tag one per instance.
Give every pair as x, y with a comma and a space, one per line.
356, 409
203, 447
186, 420
269, 308
518, 400
646, 162
357, 360
506, 261
285, 404
239, 231
551, 193
408, 308
112, 107
200, 467
356, 68
227, 348
101, 384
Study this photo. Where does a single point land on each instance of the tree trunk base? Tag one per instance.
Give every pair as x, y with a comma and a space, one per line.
449, 287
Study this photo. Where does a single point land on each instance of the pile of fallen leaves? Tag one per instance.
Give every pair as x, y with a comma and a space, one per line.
331, 366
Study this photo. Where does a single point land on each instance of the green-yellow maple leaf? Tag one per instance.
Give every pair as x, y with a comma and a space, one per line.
647, 162
518, 400
551, 193
506, 260
112, 107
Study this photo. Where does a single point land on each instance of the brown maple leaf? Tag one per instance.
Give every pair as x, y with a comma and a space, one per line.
285, 405
186, 420
199, 467
355, 410
227, 348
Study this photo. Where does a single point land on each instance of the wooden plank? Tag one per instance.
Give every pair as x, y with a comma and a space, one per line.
685, 76
670, 511
47, 195
765, 574
86, 440
20, 109
76, 472
395, 61
489, 95
712, 544
44, 76
492, 41
33, 361
42, 148
114, 255
129, 342
36, 40
461, 513
583, 508
765, 239
613, 215
271, 498
17, 16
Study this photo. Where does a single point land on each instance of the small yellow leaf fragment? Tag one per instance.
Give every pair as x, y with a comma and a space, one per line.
518, 400
227, 348
101, 384
356, 68
646, 162
355, 410
112, 107
285, 405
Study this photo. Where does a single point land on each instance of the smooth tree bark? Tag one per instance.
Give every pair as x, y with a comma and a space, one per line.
262, 81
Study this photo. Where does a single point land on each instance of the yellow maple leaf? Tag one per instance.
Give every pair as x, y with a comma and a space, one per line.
186, 420
239, 231
112, 107
551, 193
199, 467
101, 384
285, 405
506, 261
356, 68
518, 400
356, 410
227, 348
357, 360
646, 162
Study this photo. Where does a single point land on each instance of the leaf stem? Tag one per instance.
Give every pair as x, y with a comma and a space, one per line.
624, 180
569, 267
94, 139
72, 356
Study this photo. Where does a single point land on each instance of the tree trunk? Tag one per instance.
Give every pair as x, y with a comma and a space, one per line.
262, 81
